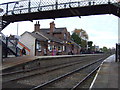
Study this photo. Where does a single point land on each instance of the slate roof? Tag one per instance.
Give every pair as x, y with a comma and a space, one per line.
57, 30
45, 31
37, 36
51, 38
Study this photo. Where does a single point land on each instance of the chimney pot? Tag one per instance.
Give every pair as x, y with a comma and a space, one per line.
52, 27
37, 26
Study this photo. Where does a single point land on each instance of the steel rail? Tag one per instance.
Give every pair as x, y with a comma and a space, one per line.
62, 76
21, 71
85, 78
56, 68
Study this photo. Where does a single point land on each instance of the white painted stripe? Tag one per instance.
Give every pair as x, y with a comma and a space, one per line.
95, 77
110, 59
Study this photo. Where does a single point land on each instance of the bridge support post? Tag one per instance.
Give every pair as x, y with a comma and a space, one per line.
56, 5
7, 9
89, 3
29, 4
0, 54
116, 54
108, 1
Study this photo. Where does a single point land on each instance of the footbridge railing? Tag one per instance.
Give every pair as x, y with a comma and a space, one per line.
29, 6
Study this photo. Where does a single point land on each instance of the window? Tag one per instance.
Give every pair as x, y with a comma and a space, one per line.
49, 47
63, 48
65, 36
59, 49
48, 41
38, 46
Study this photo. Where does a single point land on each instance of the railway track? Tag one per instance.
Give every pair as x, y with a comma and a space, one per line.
25, 73
36, 71
33, 80
64, 80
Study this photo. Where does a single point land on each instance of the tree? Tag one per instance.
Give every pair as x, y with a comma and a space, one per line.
104, 49
83, 44
76, 38
81, 33
90, 46
83, 37
90, 43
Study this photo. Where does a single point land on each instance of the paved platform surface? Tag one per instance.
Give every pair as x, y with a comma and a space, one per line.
13, 61
107, 75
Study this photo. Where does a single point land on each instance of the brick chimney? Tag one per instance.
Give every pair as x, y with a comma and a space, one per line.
52, 27
37, 26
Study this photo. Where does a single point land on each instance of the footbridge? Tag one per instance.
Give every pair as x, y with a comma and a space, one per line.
28, 10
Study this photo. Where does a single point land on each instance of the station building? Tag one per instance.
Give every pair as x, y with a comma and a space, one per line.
49, 41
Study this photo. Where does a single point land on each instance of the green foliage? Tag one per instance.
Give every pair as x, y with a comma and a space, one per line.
79, 41
83, 44
90, 43
76, 38
104, 49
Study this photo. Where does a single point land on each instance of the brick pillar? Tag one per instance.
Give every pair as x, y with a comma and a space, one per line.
37, 26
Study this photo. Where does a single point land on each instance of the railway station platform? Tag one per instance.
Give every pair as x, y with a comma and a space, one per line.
14, 61
107, 76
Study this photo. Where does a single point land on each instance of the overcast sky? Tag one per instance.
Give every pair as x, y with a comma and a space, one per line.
102, 29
